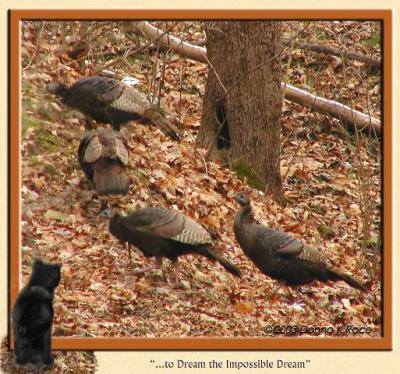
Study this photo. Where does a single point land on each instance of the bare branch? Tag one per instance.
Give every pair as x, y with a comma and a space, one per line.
38, 39
132, 51
376, 64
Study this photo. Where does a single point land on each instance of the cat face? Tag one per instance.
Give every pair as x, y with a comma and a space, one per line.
46, 274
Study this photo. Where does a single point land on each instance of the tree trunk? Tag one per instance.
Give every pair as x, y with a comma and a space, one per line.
242, 106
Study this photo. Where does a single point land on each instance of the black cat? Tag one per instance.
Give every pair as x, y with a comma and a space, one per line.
33, 316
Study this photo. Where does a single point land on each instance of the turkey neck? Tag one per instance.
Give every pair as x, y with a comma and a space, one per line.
242, 228
243, 217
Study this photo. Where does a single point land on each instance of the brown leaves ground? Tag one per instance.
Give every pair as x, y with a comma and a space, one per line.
99, 296
65, 362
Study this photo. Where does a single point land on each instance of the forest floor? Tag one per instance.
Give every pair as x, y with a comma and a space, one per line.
65, 362
332, 180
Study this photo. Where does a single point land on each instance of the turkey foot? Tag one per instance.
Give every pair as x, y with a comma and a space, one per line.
156, 265
129, 253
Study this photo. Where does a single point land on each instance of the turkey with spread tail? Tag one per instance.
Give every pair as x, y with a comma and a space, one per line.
281, 256
103, 157
160, 232
107, 100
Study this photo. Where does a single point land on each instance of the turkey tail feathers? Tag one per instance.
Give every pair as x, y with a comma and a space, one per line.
225, 263
338, 275
110, 179
163, 123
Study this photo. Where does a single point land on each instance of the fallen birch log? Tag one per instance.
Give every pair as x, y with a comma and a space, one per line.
183, 48
362, 121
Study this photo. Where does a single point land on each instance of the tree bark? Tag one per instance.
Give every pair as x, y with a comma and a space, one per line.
246, 74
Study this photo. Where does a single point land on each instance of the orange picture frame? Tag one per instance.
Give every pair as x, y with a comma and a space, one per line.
295, 343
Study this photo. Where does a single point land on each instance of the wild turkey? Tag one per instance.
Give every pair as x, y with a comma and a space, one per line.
103, 156
109, 101
281, 256
160, 232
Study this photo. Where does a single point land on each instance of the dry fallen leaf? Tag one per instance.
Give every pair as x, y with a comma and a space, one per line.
323, 186
244, 308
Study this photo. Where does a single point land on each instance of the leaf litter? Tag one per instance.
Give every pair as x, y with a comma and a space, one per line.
100, 297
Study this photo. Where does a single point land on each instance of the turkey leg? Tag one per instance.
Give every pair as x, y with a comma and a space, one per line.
177, 276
